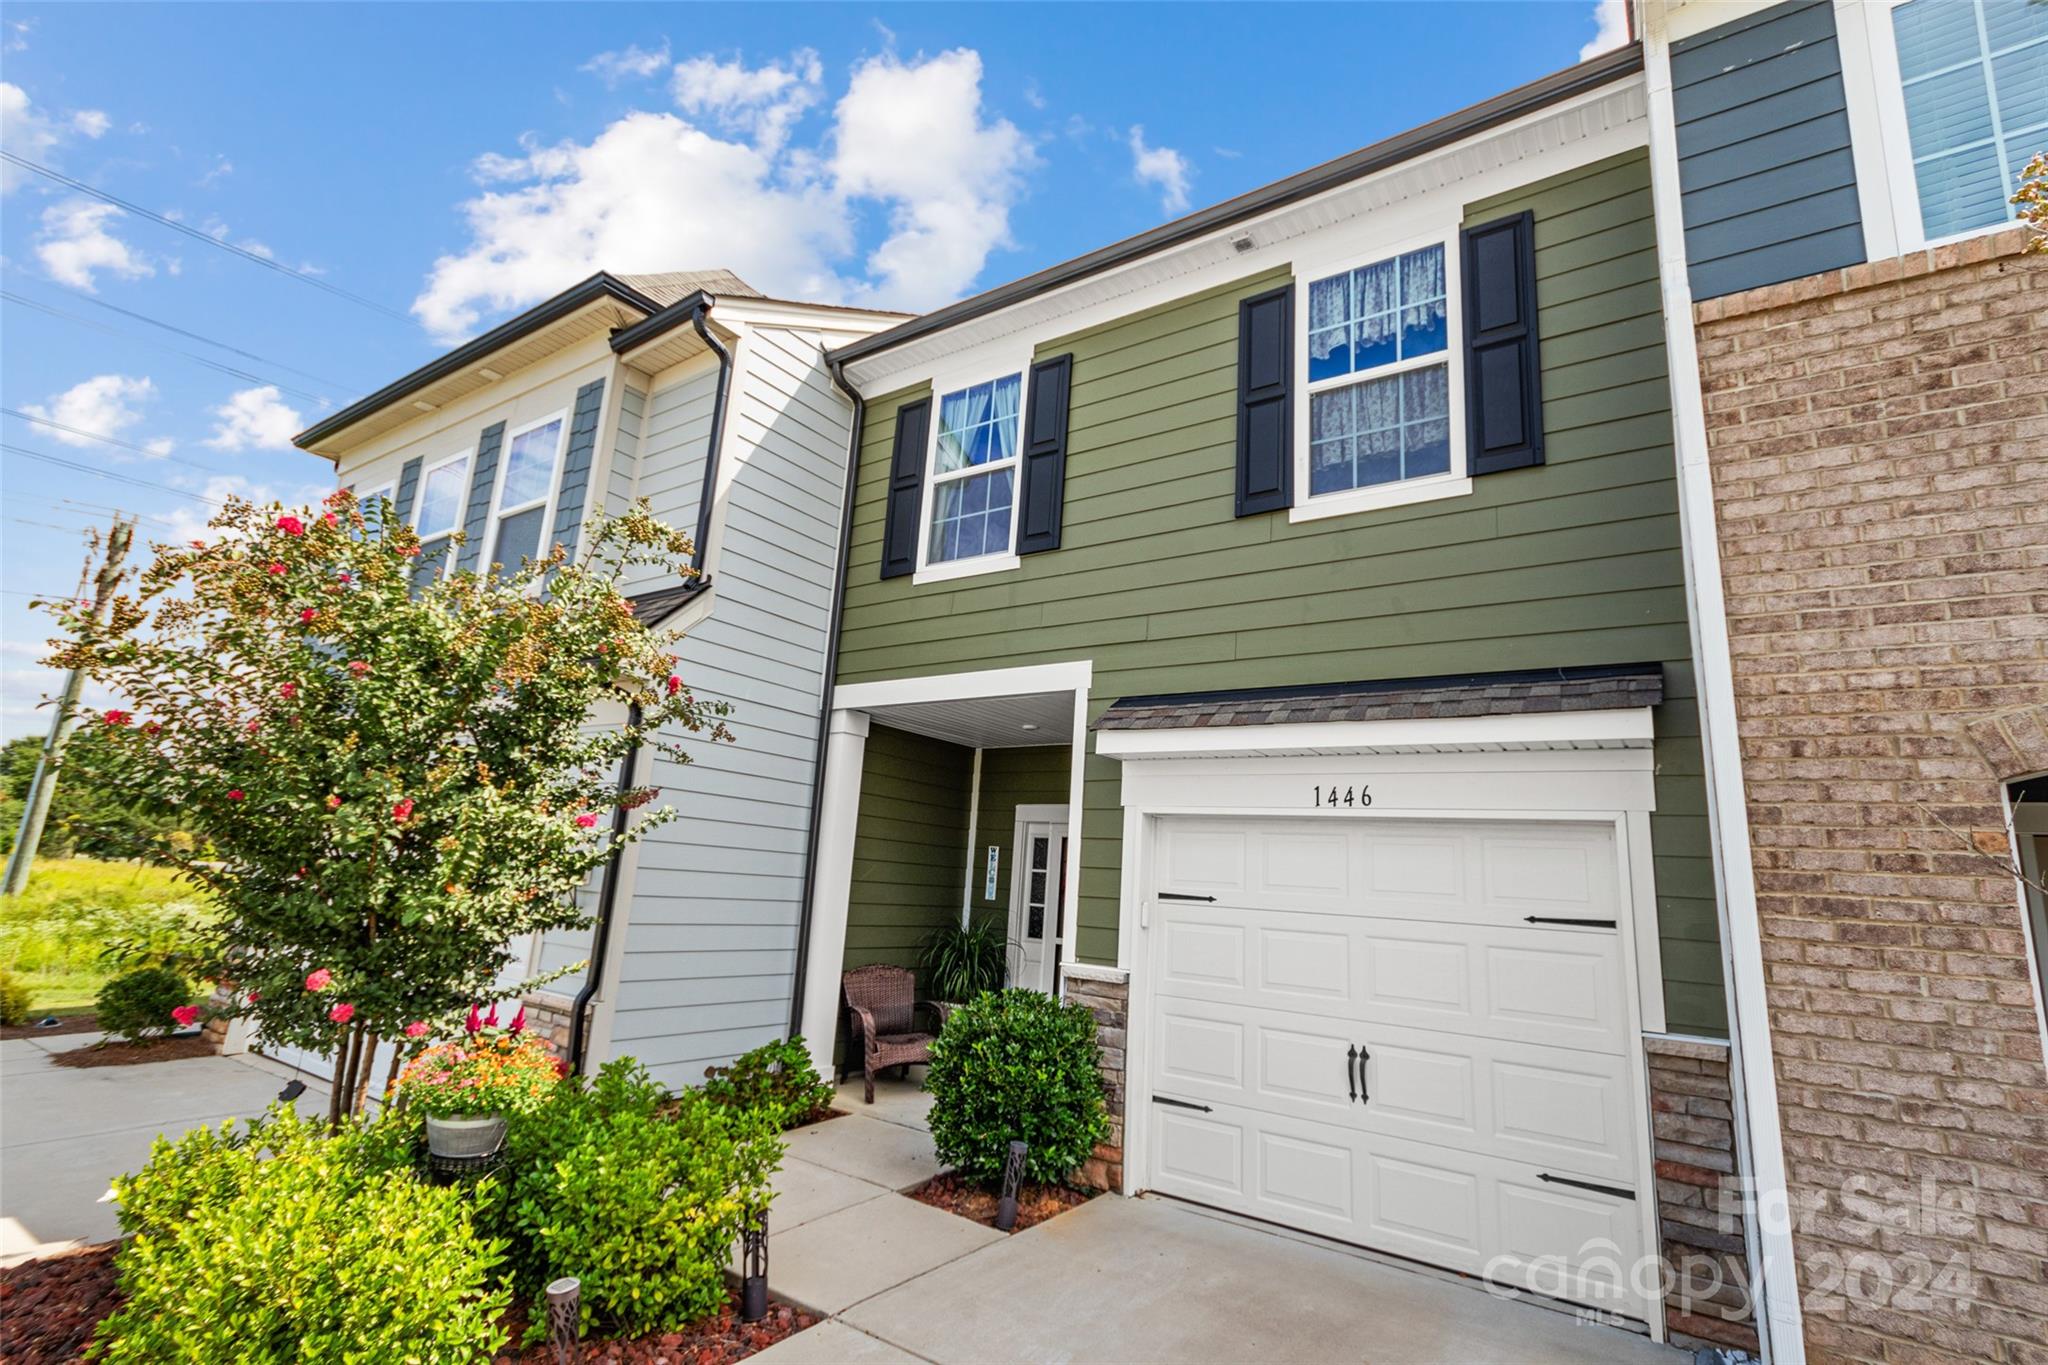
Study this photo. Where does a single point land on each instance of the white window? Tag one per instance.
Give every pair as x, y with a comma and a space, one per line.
371, 502
1973, 75
437, 511
971, 478
1381, 338
526, 491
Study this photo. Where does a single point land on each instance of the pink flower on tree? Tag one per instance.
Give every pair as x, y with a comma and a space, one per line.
235, 794
288, 691
319, 980
185, 1015
346, 577
306, 615
358, 667
330, 518
291, 525
116, 718
417, 1030
585, 820
342, 1013
675, 684
276, 567
333, 801
402, 811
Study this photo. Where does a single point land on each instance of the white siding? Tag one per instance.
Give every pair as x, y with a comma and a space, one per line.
710, 943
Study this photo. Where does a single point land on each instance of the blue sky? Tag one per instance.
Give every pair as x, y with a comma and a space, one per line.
451, 164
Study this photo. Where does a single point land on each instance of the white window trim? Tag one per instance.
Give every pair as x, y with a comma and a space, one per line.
1897, 138
928, 502
382, 490
546, 502
1455, 482
446, 564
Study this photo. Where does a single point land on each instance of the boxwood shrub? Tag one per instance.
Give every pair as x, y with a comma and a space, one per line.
285, 1244
1016, 1064
138, 1004
778, 1077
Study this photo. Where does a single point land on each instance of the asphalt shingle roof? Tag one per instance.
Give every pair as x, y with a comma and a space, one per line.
1478, 694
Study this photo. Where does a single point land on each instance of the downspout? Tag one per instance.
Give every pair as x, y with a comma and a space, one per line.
607, 898
702, 545
832, 621
608, 889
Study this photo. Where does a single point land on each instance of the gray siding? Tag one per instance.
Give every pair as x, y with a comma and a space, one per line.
1765, 172
575, 488
483, 478
710, 947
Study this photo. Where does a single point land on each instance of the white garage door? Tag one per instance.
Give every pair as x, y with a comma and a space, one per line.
1410, 1036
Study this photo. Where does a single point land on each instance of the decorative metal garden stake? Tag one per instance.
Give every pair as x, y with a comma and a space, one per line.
565, 1303
1013, 1176
754, 1269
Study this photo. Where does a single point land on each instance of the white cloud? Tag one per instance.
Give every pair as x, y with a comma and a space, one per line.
725, 183
1610, 20
105, 405
633, 62
222, 168
17, 35
92, 122
255, 419
23, 130
1163, 167
75, 242
763, 103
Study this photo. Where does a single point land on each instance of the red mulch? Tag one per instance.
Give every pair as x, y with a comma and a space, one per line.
50, 1306
77, 1023
132, 1054
1035, 1202
714, 1341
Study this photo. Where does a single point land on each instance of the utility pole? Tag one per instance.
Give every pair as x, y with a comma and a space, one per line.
35, 812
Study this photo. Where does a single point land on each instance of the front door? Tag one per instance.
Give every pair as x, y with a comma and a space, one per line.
1038, 888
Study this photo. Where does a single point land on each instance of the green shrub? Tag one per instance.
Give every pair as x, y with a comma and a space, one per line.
138, 1004
285, 1244
638, 1194
775, 1077
1016, 1064
16, 999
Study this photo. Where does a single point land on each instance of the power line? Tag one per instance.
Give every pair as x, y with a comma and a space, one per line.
108, 474
207, 340
109, 329
116, 441
195, 234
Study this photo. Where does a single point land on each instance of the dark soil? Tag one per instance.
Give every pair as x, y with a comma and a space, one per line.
50, 1306
1035, 1202
714, 1341
132, 1054
818, 1115
76, 1023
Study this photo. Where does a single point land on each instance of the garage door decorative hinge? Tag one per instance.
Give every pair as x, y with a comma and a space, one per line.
1180, 1104
1614, 1190
1575, 923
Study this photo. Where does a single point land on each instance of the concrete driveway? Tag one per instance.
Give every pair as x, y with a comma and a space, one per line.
1114, 1280
66, 1132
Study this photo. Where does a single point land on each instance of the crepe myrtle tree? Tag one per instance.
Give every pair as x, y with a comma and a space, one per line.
392, 772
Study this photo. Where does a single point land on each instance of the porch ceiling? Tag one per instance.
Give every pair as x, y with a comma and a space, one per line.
1039, 718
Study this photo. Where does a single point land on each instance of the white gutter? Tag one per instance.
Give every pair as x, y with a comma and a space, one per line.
1753, 1080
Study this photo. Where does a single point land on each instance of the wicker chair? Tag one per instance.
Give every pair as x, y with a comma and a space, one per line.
883, 1002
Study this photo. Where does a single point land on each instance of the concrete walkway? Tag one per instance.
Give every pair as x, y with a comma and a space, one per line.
1114, 1280
65, 1133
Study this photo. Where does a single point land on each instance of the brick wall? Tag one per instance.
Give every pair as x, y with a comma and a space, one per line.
1700, 1226
1879, 446
547, 1018
1107, 993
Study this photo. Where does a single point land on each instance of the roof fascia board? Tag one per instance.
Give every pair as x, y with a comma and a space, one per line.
1389, 152
598, 287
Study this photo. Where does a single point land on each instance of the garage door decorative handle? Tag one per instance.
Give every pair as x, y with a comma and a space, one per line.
1184, 896
1574, 923
1180, 1104
1364, 1096
1350, 1078
1614, 1190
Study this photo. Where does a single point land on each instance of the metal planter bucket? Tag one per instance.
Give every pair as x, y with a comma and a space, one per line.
465, 1137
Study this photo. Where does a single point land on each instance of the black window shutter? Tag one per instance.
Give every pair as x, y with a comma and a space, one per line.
1503, 374
1045, 456
1265, 402
903, 521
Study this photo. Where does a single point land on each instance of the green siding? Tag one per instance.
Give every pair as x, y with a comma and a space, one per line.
1011, 778
1575, 562
909, 847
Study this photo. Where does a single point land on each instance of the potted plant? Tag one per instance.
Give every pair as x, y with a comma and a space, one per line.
468, 1087
962, 961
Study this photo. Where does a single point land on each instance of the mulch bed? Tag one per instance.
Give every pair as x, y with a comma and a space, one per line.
77, 1023
714, 1341
1035, 1202
132, 1054
50, 1306
818, 1115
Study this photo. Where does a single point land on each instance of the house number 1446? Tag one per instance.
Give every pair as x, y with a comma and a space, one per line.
1343, 796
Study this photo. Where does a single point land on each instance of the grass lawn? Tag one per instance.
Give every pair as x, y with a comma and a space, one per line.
52, 937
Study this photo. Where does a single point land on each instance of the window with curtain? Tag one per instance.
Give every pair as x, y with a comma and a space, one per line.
974, 471
1379, 373
437, 512
1975, 78
523, 491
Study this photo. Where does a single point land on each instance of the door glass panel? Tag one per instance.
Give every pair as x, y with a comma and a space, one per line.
1034, 899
